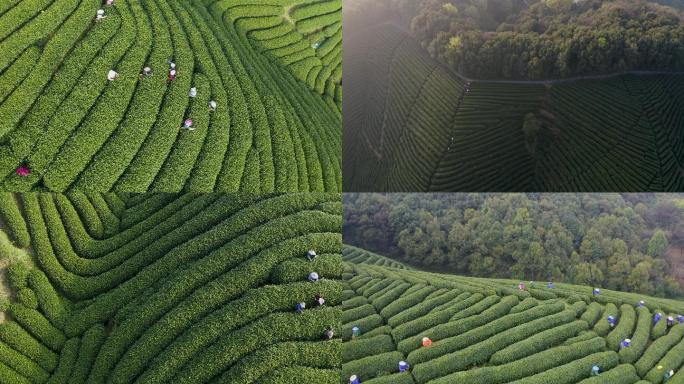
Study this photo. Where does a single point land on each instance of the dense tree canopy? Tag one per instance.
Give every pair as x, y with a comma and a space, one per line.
548, 39
623, 242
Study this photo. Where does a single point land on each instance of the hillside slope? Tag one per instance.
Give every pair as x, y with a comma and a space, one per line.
161, 288
411, 125
273, 69
489, 331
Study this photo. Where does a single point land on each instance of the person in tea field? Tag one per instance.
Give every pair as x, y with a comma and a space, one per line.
147, 71
611, 321
680, 319
521, 286
595, 370
354, 380
313, 277
403, 366
310, 255
625, 343
656, 318
23, 170
187, 124
328, 334
640, 304
670, 321
319, 300
212, 106
193, 92
299, 307
356, 332
549, 285
100, 15
596, 292
112, 75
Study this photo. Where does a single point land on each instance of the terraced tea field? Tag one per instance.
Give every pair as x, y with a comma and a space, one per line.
453, 329
272, 71
165, 288
412, 125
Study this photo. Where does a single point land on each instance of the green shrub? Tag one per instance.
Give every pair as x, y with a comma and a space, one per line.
673, 359
602, 327
15, 337
303, 374
67, 360
38, 326
373, 366
363, 347
592, 314
657, 349
623, 329
27, 298
480, 316
10, 214
624, 373
523, 368
538, 342
640, 338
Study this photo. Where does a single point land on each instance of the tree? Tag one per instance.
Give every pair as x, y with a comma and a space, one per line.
657, 246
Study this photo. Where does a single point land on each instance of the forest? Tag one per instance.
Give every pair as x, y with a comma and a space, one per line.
547, 39
627, 242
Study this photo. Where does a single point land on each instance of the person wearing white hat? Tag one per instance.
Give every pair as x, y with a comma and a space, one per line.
313, 276
193, 92
112, 75
212, 106
100, 15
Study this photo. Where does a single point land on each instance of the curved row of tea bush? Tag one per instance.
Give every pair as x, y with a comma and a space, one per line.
75, 130
412, 125
540, 335
200, 288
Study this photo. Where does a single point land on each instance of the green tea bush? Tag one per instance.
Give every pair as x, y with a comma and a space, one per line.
639, 339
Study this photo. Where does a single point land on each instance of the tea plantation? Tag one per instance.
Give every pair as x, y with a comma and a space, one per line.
453, 329
165, 288
412, 125
271, 72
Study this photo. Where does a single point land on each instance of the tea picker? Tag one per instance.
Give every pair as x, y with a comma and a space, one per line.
403, 366
356, 332
299, 307
354, 380
595, 370
625, 343
656, 318
313, 277
611, 321
187, 124
310, 254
